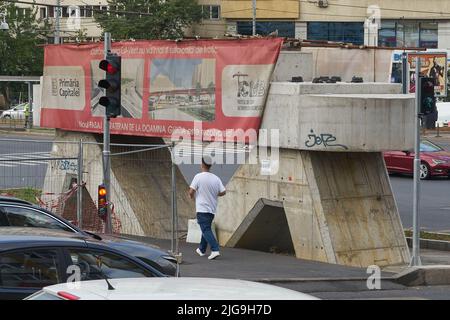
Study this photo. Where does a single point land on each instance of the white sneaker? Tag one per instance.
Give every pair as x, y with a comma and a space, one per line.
201, 254
213, 255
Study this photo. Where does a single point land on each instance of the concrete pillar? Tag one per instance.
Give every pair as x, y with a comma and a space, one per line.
140, 182
339, 208
443, 34
301, 30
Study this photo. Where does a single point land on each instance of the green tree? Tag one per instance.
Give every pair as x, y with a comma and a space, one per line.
20, 47
159, 20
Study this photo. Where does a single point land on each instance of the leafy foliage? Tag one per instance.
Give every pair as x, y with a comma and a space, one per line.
20, 52
159, 20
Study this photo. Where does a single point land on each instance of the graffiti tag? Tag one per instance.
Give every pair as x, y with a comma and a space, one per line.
325, 139
67, 165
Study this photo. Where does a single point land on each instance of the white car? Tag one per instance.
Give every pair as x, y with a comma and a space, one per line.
167, 289
443, 113
17, 112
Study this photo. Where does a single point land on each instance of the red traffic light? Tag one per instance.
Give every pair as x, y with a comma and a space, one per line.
107, 66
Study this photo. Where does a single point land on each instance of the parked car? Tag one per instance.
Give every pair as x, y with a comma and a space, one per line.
434, 161
33, 258
168, 289
17, 112
19, 213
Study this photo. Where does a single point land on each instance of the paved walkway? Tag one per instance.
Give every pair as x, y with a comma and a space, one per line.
255, 265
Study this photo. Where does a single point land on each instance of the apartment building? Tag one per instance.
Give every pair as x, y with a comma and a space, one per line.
390, 23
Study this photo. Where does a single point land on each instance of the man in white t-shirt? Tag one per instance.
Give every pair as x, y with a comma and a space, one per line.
206, 188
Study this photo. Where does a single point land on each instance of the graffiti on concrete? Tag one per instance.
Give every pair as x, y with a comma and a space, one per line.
325, 139
67, 165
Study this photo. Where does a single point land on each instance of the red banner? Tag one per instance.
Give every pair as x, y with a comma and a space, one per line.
166, 86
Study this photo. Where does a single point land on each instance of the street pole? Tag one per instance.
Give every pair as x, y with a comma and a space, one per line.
415, 259
174, 201
30, 106
80, 186
107, 151
404, 73
57, 21
254, 18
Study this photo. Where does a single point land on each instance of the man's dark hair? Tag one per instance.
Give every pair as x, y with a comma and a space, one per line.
207, 162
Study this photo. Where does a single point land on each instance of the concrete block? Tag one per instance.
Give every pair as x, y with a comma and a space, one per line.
339, 117
339, 208
293, 64
194, 234
425, 276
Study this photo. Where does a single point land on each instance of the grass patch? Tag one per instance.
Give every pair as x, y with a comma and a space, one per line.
28, 194
429, 235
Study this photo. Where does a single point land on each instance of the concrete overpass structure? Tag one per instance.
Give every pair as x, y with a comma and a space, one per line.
330, 200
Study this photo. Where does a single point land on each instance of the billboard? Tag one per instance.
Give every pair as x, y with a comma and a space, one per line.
434, 65
166, 85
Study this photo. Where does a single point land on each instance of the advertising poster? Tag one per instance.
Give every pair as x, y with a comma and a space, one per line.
166, 85
434, 65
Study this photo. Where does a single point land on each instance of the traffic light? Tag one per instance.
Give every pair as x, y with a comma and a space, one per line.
427, 98
112, 101
102, 202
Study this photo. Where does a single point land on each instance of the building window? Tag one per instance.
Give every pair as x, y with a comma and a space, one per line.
65, 12
349, 32
284, 28
51, 11
408, 34
211, 12
43, 12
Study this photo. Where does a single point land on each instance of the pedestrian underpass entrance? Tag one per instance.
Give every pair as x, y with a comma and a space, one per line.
265, 228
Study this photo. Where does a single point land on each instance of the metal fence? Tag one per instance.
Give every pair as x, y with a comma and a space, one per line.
48, 172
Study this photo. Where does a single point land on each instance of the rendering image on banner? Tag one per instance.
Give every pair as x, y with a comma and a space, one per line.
433, 65
182, 89
132, 88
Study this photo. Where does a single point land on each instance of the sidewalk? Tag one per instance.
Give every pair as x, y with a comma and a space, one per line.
259, 266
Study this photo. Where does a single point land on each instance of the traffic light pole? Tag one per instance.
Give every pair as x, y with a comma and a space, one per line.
107, 151
415, 259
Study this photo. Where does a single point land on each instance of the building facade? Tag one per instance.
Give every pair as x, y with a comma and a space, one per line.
389, 23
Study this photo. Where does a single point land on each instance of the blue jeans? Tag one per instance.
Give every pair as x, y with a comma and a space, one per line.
205, 219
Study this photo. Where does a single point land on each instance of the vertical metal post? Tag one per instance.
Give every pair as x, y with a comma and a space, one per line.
404, 73
254, 18
57, 21
415, 259
174, 202
80, 185
30, 106
107, 151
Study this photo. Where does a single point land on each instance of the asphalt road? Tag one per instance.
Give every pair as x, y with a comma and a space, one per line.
17, 174
435, 195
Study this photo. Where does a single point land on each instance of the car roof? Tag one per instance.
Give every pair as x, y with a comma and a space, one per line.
14, 200
26, 237
177, 289
35, 207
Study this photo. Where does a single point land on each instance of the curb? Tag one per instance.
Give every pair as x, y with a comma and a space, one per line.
436, 275
25, 132
439, 245
293, 280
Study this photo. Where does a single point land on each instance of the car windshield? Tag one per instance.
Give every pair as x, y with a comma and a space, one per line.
427, 146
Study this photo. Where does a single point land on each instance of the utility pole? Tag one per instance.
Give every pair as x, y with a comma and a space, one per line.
415, 259
107, 151
254, 18
30, 106
57, 21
